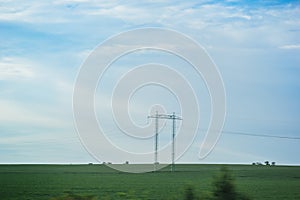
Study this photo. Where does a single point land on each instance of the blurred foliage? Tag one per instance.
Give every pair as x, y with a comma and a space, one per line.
224, 187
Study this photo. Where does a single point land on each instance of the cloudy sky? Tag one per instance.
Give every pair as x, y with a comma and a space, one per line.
254, 44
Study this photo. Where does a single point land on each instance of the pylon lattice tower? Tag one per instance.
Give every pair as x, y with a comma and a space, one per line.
173, 117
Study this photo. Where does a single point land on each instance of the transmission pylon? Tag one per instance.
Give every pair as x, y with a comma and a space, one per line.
165, 116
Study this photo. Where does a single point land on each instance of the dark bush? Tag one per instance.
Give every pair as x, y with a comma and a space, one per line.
224, 187
189, 193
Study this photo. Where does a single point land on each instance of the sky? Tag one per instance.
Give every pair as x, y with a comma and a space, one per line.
254, 44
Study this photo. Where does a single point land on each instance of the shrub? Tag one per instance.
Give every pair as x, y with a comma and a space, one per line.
189, 193
224, 187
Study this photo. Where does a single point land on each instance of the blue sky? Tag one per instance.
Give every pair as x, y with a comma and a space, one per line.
256, 46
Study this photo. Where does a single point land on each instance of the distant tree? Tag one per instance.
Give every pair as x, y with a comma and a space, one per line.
127, 162
254, 163
273, 163
267, 162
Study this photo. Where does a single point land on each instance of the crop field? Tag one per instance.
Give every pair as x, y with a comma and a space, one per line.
102, 182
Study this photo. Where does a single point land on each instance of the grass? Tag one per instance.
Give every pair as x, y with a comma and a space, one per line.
102, 182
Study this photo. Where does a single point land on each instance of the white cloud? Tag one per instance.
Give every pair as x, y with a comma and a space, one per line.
15, 68
12, 11
48, 101
19, 68
18, 113
291, 46
37, 138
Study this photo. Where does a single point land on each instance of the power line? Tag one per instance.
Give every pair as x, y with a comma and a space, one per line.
261, 135
115, 132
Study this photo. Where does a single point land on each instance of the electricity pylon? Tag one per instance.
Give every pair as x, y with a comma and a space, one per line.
165, 116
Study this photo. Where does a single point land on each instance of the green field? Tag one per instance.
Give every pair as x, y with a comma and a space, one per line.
50, 181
